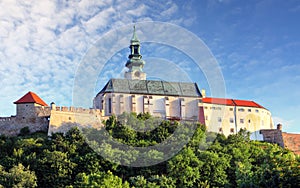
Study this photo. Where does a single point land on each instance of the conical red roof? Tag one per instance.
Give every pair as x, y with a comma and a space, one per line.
31, 97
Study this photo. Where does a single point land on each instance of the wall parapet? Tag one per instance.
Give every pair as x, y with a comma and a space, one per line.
7, 118
76, 110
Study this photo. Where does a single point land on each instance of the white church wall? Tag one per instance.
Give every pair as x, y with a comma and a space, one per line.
191, 108
139, 104
175, 110
159, 106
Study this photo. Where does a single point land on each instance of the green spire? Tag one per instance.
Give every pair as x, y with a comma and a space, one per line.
135, 61
134, 38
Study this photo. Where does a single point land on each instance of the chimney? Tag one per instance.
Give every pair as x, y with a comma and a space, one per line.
203, 93
53, 106
279, 126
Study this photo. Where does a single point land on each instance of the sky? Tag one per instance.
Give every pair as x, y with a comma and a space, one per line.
256, 45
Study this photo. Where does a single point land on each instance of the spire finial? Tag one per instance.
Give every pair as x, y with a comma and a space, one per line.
134, 37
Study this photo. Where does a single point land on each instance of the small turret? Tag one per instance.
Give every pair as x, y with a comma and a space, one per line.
53, 106
279, 126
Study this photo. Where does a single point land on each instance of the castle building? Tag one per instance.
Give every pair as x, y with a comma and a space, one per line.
228, 116
134, 93
176, 100
170, 100
32, 112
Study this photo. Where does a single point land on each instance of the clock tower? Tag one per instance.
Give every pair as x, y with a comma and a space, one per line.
135, 63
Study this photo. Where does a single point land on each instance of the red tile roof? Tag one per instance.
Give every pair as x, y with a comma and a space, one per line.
247, 103
231, 102
31, 97
227, 102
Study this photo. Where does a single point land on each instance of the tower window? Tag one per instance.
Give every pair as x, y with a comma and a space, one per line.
241, 120
109, 105
219, 119
231, 120
135, 50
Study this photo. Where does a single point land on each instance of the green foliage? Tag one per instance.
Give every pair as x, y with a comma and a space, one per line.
103, 180
208, 160
18, 176
185, 168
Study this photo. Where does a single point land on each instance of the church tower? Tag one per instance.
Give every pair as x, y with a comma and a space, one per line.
135, 63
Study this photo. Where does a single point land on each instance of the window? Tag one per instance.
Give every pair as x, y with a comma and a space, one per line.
205, 107
249, 121
241, 120
231, 120
219, 119
135, 50
256, 111
249, 110
109, 105
231, 109
232, 130
220, 130
206, 117
241, 110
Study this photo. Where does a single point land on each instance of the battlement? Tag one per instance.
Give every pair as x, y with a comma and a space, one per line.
63, 118
76, 110
7, 118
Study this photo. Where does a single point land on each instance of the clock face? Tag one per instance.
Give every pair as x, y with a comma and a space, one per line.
137, 74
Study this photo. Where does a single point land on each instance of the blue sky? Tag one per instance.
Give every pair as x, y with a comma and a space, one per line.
256, 44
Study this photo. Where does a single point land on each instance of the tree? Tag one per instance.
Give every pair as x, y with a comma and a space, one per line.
214, 168
55, 169
101, 179
18, 176
185, 168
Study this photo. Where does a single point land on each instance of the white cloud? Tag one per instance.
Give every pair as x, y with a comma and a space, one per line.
43, 42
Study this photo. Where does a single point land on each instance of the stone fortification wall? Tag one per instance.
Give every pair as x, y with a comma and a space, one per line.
64, 118
36, 119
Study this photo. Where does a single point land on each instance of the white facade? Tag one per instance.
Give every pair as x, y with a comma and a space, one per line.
167, 107
229, 119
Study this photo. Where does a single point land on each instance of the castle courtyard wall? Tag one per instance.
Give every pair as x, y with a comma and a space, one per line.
63, 119
11, 126
35, 117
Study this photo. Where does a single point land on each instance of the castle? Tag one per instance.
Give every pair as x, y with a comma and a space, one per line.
34, 113
134, 93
